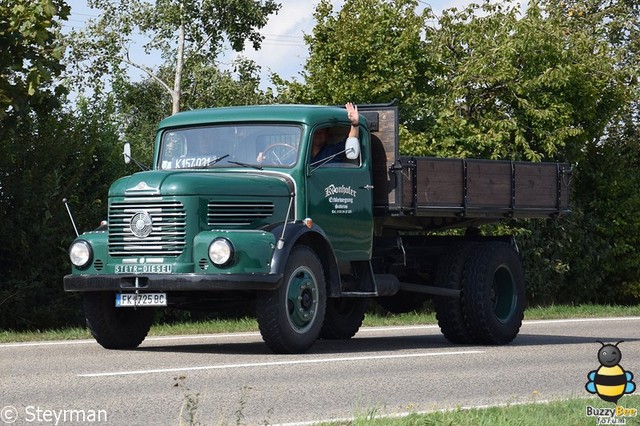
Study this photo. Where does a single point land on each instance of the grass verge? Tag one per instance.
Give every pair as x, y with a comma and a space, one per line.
569, 412
371, 320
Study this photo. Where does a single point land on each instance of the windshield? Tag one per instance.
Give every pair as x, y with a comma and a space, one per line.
246, 145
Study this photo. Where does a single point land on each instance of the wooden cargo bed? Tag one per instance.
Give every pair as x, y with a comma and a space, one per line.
482, 188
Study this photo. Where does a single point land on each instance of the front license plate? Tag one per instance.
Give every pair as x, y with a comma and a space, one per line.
126, 300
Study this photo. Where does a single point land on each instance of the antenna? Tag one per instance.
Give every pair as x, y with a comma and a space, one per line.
66, 204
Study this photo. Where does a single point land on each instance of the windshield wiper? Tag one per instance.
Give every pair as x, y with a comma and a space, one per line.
245, 164
215, 161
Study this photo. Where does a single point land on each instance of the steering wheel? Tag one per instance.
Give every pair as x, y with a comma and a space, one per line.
277, 153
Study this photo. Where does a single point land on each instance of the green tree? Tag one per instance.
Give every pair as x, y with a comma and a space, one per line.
482, 82
514, 87
607, 179
592, 255
30, 54
370, 51
176, 29
47, 153
54, 155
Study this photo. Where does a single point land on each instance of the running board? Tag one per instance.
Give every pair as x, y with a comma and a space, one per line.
389, 285
412, 288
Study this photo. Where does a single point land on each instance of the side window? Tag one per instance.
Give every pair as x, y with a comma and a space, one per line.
328, 146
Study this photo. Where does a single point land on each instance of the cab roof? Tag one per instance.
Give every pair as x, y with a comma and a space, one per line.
307, 114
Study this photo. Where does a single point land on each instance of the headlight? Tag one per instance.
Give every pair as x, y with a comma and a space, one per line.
80, 253
221, 252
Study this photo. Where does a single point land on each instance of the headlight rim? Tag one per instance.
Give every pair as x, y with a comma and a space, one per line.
232, 252
89, 260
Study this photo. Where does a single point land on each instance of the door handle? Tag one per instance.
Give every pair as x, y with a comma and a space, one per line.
367, 187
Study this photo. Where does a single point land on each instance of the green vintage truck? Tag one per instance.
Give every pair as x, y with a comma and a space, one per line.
233, 211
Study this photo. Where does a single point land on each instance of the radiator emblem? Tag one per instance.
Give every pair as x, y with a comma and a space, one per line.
141, 224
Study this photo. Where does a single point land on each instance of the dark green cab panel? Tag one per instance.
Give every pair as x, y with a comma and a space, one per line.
339, 201
98, 240
252, 252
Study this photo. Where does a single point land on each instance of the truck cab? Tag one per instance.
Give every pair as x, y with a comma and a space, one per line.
230, 194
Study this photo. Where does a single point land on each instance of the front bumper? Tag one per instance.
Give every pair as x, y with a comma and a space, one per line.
172, 282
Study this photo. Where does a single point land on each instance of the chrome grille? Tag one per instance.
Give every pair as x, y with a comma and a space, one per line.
167, 237
237, 213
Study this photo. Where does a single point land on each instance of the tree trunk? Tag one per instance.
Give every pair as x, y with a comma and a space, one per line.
175, 95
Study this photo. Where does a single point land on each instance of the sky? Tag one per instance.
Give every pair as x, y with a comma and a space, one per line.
283, 50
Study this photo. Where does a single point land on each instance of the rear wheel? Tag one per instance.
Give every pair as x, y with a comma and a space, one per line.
290, 317
493, 293
449, 310
343, 318
115, 328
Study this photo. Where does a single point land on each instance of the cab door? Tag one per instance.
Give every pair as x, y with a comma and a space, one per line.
340, 201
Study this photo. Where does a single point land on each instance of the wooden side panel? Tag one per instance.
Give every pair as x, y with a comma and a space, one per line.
488, 184
439, 183
536, 185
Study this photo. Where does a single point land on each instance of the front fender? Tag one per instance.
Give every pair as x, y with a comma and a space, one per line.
315, 238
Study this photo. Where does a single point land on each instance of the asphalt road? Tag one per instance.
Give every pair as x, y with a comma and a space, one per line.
234, 379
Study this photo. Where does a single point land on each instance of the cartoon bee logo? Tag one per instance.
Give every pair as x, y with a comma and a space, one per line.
610, 381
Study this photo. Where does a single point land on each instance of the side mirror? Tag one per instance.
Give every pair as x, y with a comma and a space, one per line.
352, 148
127, 153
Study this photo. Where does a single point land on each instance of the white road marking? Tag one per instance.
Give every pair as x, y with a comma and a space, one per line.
148, 339
60, 343
564, 321
278, 363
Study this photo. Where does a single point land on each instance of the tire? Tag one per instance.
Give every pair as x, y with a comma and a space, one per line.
115, 328
449, 310
493, 294
402, 302
343, 318
290, 318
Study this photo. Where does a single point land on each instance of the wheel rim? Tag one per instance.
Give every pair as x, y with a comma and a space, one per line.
503, 294
302, 299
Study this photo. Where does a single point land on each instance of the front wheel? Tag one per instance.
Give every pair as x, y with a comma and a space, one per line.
493, 293
115, 328
290, 318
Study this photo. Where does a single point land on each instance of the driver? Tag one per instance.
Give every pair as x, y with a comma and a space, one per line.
320, 150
